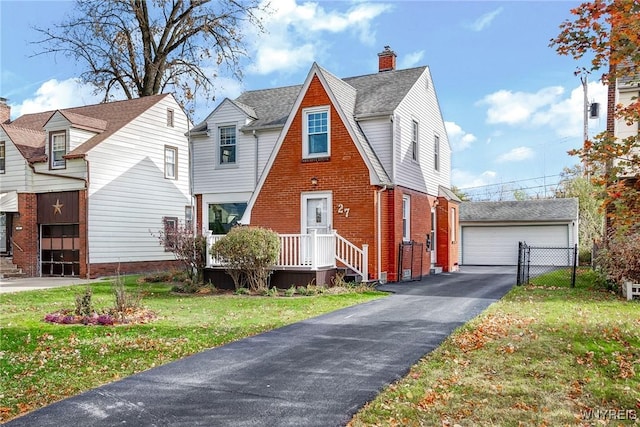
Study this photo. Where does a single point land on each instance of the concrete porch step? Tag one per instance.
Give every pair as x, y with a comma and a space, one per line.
436, 270
8, 269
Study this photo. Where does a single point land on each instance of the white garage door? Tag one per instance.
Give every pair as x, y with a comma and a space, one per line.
497, 245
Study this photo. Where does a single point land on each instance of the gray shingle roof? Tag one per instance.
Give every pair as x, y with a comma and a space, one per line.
527, 210
376, 94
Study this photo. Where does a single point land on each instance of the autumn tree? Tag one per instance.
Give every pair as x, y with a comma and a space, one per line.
574, 184
143, 48
605, 36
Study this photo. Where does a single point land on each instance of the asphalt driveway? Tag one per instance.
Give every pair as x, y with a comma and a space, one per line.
318, 372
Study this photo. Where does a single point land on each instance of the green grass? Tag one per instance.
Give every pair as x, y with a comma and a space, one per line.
41, 363
542, 356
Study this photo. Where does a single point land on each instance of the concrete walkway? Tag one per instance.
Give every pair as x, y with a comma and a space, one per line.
31, 283
318, 372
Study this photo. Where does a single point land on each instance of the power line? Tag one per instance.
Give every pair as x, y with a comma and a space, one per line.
509, 182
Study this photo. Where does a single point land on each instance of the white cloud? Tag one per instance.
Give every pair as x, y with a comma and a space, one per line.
546, 108
484, 21
514, 108
567, 118
459, 139
54, 94
294, 32
465, 179
411, 60
517, 154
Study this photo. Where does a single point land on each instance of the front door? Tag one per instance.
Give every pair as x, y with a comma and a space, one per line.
316, 213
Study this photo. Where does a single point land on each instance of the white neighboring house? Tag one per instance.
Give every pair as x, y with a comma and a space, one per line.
83, 189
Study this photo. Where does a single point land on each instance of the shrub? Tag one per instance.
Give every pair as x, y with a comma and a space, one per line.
620, 261
124, 300
249, 254
290, 292
188, 247
84, 307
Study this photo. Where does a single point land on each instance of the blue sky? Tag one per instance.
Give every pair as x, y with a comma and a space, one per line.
512, 106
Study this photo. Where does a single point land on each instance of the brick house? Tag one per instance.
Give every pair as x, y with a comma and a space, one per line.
82, 189
364, 157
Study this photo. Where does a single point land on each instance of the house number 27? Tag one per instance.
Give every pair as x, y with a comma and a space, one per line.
343, 210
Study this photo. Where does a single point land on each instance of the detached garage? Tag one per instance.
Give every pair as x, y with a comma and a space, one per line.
491, 230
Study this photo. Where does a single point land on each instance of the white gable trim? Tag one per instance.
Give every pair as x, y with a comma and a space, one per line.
314, 71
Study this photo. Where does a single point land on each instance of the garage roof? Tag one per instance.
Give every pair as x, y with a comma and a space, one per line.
516, 211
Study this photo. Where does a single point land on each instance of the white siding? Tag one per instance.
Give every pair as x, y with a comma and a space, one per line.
78, 137
622, 129
46, 180
16, 168
128, 193
379, 133
421, 105
209, 176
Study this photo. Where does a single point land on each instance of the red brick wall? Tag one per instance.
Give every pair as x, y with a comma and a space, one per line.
345, 174
420, 227
447, 249
112, 269
25, 235
199, 209
84, 233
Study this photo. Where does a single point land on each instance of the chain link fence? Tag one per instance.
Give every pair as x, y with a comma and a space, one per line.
552, 266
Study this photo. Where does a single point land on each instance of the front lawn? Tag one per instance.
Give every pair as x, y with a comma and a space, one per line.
542, 356
41, 362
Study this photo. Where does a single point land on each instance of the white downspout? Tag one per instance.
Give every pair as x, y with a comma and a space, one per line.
379, 227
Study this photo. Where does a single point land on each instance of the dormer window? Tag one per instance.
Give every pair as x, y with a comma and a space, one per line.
316, 133
57, 150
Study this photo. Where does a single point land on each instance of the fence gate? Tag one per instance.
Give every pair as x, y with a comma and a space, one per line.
410, 261
534, 261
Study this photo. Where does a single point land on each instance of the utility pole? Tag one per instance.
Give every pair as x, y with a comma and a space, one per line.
585, 118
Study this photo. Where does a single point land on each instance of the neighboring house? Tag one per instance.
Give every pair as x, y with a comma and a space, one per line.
83, 189
490, 231
366, 156
626, 91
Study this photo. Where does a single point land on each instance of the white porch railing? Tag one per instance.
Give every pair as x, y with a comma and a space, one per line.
310, 251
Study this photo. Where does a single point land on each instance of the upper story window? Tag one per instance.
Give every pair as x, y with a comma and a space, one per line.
414, 141
57, 150
170, 162
3, 156
169, 117
316, 131
227, 145
406, 218
436, 153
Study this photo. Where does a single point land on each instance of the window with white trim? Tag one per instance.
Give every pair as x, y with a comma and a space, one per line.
316, 133
227, 145
436, 153
414, 141
57, 150
406, 218
3, 156
170, 162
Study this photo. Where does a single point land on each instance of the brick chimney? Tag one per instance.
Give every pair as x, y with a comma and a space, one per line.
386, 60
5, 111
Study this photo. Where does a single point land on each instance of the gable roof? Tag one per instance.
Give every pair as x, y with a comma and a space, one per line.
375, 95
517, 211
105, 119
